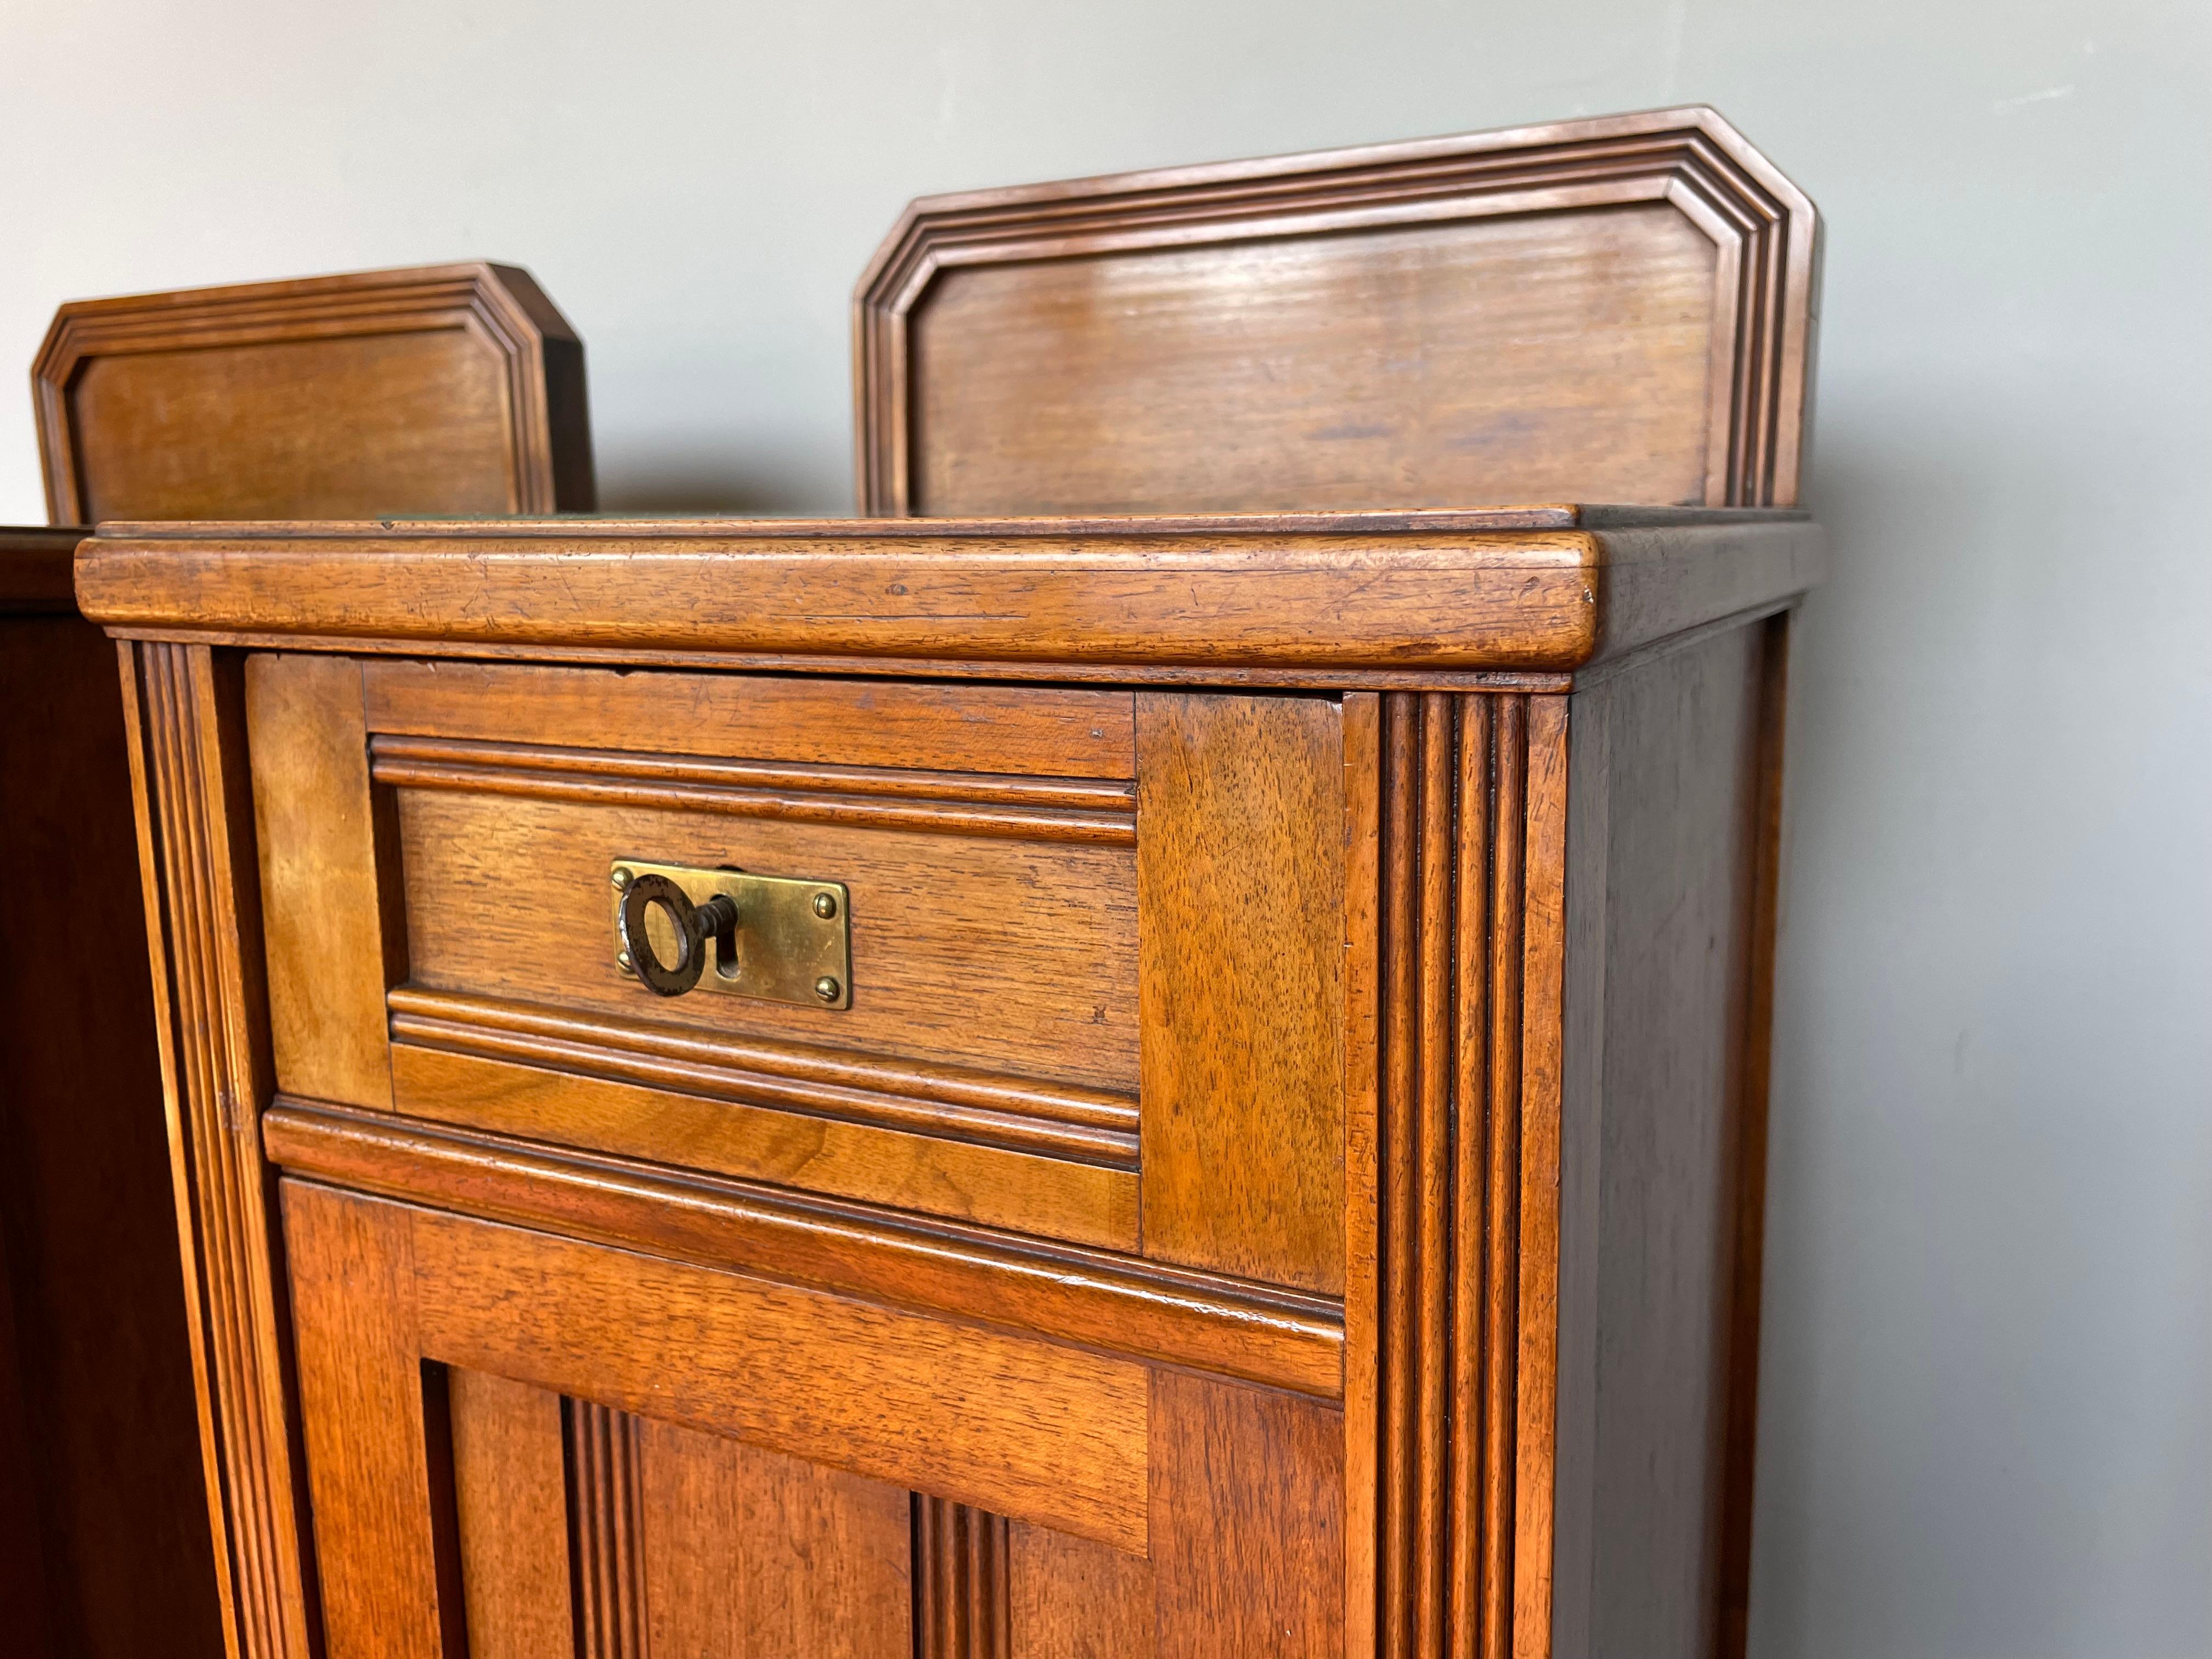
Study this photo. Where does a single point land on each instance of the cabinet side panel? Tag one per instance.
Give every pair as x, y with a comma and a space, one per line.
330, 949
1682, 796
1240, 931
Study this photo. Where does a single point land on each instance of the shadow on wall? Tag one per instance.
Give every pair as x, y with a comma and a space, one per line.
742, 478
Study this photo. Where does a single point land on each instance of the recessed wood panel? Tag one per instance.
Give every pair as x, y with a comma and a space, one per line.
1248, 1545
746, 1554
1073, 1599
1013, 955
246, 433
511, 1495
1240, 850
1654, 1129
449, 389
1618, 309
1530, 359
105, 1550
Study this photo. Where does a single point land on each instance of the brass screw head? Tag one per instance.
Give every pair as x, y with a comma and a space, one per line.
826, 988
623, 962
621, 880
825, 905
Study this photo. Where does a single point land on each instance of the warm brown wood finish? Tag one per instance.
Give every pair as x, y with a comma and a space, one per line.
103, 1545
445, 389
1293, 1310
1240, 809
453, 390
1296, 599
1618, 310
1280, 1179
314, 825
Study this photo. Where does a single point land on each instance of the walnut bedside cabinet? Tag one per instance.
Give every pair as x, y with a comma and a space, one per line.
453, 389
1184, 1085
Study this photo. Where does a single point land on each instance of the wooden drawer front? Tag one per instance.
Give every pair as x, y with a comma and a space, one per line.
1095, 937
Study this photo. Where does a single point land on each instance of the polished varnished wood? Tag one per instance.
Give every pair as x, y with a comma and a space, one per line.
104, 1543
1617, 309
1240, 809
443, 389
313, 826
1673, 801
450, 389
1281, 1185
1426, 1288
1296, 599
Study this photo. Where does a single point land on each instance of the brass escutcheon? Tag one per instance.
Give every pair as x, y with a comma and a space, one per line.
780, 938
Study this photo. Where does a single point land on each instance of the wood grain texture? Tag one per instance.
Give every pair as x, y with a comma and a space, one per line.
1318, 594
1616, 309
1013, 957
1013, 1424
1453, 786
185, 717
1072, 1599
333, 932
445, 389
104, 1544
1364, 1153
1653, 1190
1094, 1299
606, 1519
1742, 1434
1240, 878
962, 1604
949, 803
1091, 1126
1050, 1197
510, 1486
1536, 1295
362, 1418
846, 724
749, 1555
1247, 1546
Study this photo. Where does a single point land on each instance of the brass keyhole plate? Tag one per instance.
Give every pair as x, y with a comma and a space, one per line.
785, 949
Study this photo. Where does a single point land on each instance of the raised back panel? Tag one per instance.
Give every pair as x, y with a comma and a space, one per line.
1616, 310
450, 389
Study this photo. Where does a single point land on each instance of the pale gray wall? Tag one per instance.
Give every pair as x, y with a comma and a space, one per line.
1987, 1425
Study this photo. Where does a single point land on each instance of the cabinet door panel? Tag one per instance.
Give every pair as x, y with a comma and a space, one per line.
750, 1555
497, 1471
511, 1493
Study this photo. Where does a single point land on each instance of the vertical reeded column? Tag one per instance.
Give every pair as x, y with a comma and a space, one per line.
1453, 822
960, 1605
606, 1509
185, 712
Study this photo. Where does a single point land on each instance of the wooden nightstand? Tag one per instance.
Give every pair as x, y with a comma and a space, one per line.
448, 389
1037, 1086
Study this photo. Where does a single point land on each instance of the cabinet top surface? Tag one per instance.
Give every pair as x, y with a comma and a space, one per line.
1297, 595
